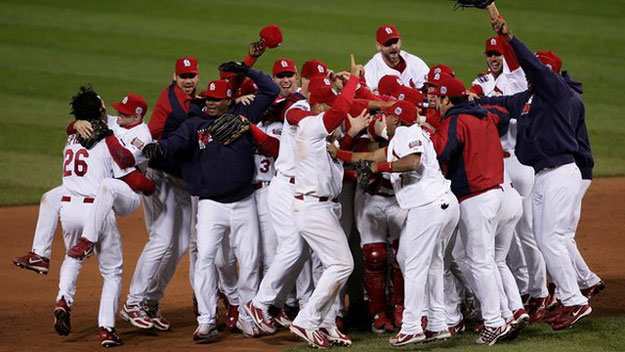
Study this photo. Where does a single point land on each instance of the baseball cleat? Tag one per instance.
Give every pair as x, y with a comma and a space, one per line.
109, 338
457, 329
538, 309
160, 323
283, 319
62, 314
261, 318
34, 262
83, 249
593, 290
571, 315
431, 336
314, 337
137, 316
554, 315
205, 333
490, 336
336, 337
248, 328
402, 339
381, 324
232, 316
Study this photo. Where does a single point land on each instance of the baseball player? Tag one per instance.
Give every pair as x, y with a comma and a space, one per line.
467, 131
391, 60
506, 77
547, 114
168, 211
226, 203
83, 171
423, 192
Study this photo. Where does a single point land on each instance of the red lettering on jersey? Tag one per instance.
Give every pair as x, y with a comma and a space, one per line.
203, 138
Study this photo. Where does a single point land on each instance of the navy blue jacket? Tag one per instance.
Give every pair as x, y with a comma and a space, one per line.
547, 114
211, 170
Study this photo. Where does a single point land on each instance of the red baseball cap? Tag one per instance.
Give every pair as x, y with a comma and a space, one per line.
132, 104
387, 32
271, 35
248, 87
438, 72
493, 44
218, 89
284, 65
549, 58
411, 95
226, 75
187, 64
451, 87
404, 110
314, 68
320, 91
390, 85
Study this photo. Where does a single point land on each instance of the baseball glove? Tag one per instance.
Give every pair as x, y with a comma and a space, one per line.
363, 173
234, 67
479, 4
227, 128
100, 131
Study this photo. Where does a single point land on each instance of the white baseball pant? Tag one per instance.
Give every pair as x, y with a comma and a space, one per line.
585, 276
291, 263
509, 215
214, 221
554, 201
318, 223
477, 226
47, 221
421, 251
523, 179
168, 219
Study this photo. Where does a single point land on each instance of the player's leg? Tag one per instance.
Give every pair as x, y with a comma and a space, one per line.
518, 266
318, 223
554, 201
110, 258
38, 259
244, 238
523, 180
226, 264
510, 214
72, 215
437, 326
212, 223
453, 288
585, 277
477, 227
113, 194
396, 220
269, 242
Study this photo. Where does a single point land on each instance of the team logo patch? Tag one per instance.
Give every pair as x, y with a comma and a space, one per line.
414, 144
397, 111
401, 96
229, 93
138, 111
284, 63
443, 90
493, 41
186, 63
137, 143
388, 30
203, 138
125, 100
437, 70
327, 82
321, 69
212, 86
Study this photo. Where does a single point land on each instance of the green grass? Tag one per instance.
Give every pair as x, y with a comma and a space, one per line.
594, 334
49, 48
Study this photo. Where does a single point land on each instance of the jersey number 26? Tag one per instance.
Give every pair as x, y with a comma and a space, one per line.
80, 165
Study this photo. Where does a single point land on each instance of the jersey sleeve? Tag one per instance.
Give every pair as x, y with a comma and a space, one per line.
159, 116
407, 142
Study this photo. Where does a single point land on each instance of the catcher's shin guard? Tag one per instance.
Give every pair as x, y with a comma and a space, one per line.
374, 257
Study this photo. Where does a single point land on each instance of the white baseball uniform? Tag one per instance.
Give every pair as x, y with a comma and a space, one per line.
432, 217
414, 75
291, 264
83, 171
316, 210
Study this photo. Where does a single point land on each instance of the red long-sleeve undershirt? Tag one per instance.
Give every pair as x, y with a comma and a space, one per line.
139, 183
122, 156
333, 117
267, 144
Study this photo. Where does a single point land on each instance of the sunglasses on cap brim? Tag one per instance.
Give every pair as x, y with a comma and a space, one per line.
285, 74
491, 53
214, 99
187, 75
391, 42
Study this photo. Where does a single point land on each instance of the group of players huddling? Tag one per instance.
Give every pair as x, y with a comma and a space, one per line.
464, 199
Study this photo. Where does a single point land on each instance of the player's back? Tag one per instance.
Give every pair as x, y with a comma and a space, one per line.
84, 169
